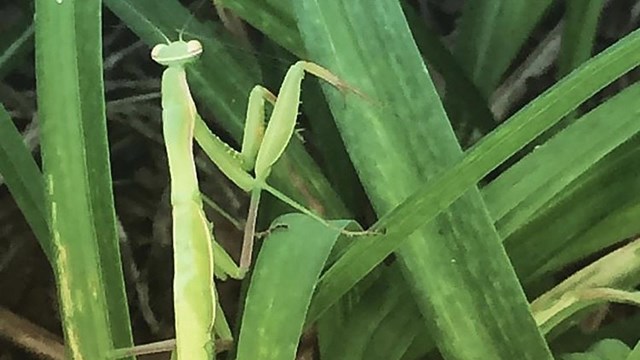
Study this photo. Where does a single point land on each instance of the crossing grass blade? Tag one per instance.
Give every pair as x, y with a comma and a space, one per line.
24, 180
491, 34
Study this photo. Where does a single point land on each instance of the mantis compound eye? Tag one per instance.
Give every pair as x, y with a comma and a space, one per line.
194, 47
157, 50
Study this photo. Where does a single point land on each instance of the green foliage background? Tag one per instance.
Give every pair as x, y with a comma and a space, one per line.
487, 190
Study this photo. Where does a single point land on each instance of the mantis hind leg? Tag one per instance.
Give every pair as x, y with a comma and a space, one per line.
250, 230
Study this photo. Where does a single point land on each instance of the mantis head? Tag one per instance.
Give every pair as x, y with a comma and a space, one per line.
176, 53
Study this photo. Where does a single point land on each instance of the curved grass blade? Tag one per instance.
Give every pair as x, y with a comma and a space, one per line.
381, 326
24, 180
602, 281
15, 44
282, 282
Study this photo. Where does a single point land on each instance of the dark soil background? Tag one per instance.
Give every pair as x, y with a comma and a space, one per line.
28, 299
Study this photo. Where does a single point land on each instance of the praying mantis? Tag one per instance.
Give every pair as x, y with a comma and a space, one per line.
197, 257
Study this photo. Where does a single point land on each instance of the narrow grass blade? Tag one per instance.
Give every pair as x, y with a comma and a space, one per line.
579, 30
490, 35
576, 301
76, 167
15, 44
465, 104
24, 180
558, 205
281, 286
274, 20
593, 191
605, 349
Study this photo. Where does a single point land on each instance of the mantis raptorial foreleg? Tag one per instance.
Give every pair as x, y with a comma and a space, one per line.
262, 147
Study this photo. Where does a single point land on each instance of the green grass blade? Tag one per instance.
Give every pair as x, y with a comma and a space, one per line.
396, 140
440, 192
281, 286
547, 239
605, 349
24, 180
77, 175
491, 33
365, 318
275, 20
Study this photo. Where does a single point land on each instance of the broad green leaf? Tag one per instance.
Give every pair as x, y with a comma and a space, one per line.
440, 192
396, 140
281, 286
79, 200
